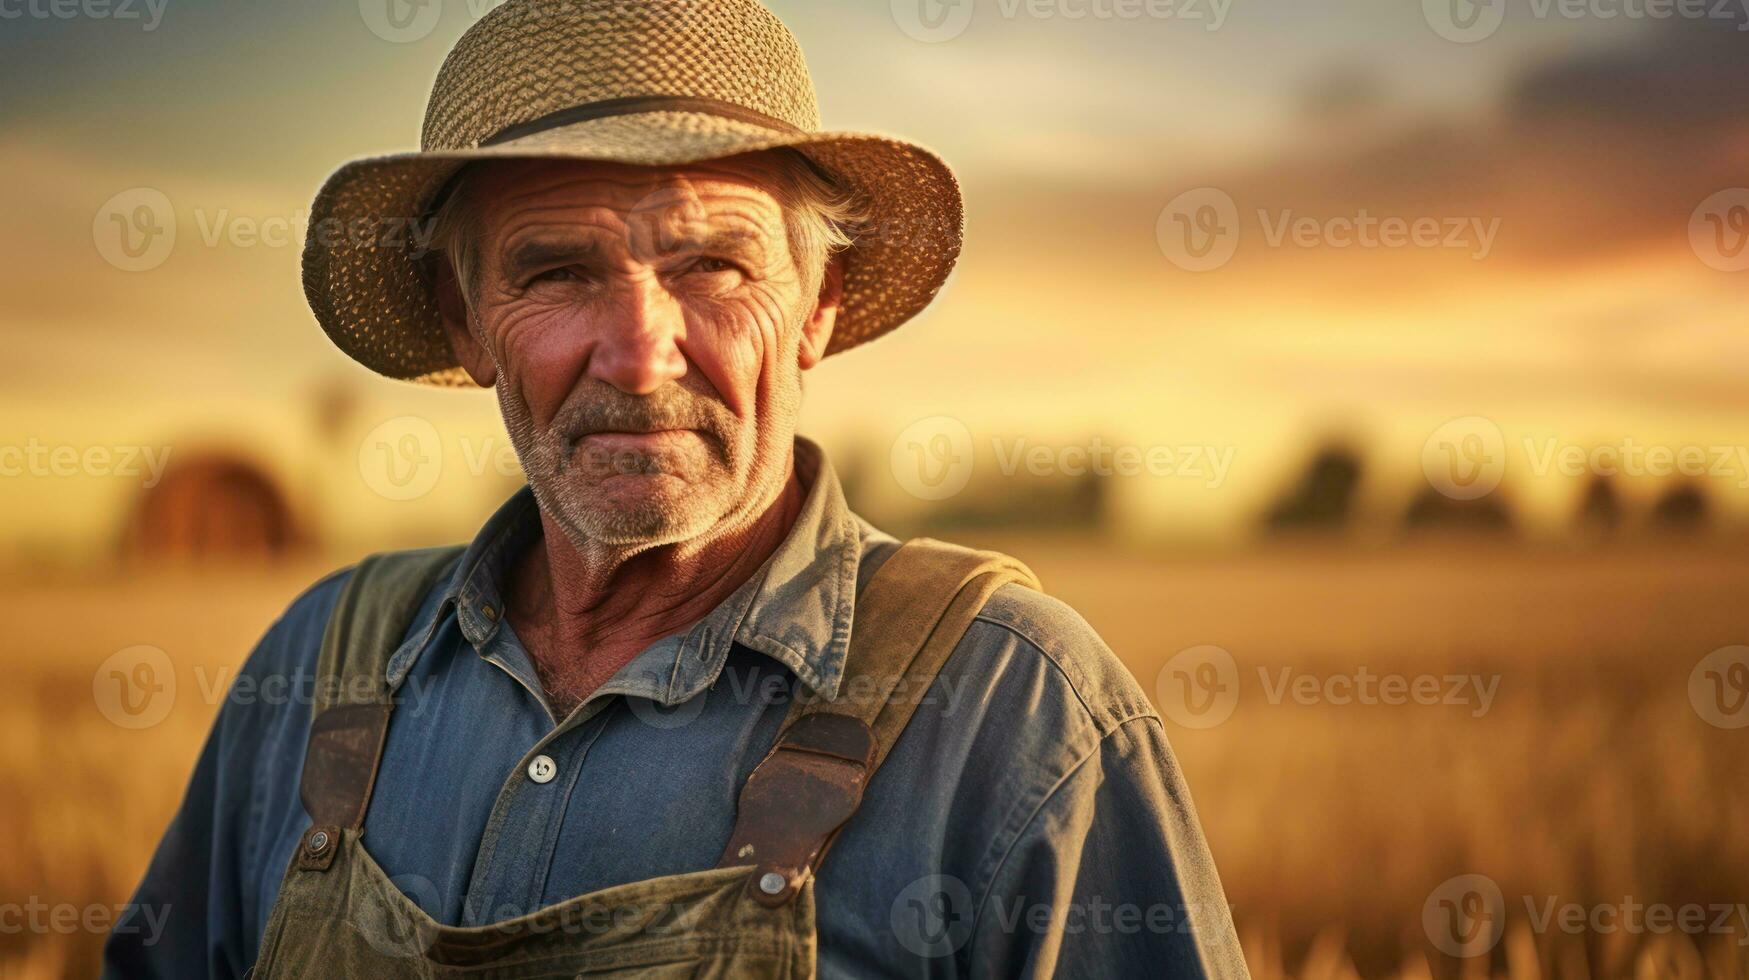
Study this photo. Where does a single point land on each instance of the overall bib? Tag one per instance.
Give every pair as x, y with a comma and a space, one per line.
339, 915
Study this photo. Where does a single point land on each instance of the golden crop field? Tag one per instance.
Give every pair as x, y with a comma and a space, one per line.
1562, 758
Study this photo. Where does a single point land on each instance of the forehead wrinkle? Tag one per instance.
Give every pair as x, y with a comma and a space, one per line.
735, 232
546, 232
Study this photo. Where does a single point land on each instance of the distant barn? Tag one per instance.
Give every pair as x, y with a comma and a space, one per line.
211, 506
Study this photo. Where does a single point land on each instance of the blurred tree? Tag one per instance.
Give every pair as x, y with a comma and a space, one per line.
1683, 507
1600, 510
1323, 496
1434, 511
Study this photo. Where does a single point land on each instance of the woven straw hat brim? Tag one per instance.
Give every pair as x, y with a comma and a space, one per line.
362, 264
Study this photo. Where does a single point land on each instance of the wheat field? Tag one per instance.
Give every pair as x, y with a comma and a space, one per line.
1590, 780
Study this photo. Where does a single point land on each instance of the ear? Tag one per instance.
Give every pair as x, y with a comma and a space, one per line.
817, 332
452, 309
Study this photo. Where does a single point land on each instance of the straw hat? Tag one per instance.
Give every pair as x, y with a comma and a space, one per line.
650, 82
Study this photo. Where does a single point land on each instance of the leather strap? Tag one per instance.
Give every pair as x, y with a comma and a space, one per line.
633, 104
352, 705
907, 622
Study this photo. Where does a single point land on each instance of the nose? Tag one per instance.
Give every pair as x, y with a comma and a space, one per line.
638, 348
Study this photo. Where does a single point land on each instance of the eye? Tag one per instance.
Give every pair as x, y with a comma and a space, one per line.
561, 274
712, 264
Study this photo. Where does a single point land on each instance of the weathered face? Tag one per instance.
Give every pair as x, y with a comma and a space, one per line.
645, 330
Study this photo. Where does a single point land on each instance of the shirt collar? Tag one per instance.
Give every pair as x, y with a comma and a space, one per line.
795, 609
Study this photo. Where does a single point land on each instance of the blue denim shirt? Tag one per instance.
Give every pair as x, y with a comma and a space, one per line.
1031, 820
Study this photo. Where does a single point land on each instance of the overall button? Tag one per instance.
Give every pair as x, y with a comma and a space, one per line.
542, 769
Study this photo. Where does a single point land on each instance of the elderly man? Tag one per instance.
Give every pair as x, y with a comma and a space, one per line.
676, 710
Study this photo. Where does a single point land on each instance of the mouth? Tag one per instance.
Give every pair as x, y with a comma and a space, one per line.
634, 441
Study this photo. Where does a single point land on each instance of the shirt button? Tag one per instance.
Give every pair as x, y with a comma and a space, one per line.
542, 769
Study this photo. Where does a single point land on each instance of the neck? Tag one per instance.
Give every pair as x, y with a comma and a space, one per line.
585, 612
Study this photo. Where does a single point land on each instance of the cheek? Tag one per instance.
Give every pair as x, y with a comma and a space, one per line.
735, 345
541, 353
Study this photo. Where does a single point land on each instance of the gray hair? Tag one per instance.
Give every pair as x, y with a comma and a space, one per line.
820, 219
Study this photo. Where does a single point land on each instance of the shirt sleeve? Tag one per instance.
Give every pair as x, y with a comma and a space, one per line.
197, 912
168, 927
1111, 877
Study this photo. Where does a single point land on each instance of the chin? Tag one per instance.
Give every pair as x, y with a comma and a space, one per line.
640, 510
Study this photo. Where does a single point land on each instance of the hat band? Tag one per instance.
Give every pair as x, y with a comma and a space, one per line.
634, 104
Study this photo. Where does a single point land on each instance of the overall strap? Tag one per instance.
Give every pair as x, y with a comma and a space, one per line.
352, 703
907, 622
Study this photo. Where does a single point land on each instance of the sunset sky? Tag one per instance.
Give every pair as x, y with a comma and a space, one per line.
1565, 156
